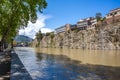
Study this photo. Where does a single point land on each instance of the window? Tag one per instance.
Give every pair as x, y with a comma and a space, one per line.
115, 13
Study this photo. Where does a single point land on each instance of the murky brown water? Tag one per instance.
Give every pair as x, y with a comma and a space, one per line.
100, 57
70, 64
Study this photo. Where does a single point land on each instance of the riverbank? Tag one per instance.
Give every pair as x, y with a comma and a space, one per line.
5, 61
98, 38
18, 70
11, 67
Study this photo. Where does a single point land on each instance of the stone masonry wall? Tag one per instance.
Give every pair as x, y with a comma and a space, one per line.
105, 37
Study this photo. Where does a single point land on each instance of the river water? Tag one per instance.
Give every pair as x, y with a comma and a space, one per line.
70, 64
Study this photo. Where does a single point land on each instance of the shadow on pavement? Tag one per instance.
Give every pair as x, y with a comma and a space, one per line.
18, 71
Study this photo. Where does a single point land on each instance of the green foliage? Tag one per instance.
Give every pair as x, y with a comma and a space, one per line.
76, 30
52, 35
39, 36
98, 16
100, 21
47, 34
15, 14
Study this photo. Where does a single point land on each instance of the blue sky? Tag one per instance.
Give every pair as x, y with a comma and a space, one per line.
70, 11
61, 12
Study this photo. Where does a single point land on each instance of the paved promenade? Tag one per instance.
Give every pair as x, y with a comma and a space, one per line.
18, 71
5, 62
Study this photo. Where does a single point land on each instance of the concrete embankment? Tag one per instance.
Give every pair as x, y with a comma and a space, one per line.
18, 70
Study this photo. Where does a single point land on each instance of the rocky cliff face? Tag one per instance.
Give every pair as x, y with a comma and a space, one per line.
105, 37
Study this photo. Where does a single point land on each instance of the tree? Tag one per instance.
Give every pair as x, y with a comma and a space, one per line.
52, 35
15, 14
47, 34
39, 36
100, 21
98, 16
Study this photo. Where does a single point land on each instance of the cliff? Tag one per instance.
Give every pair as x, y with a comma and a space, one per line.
103, 37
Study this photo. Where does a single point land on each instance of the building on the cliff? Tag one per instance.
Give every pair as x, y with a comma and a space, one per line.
113, 16
65, 28
86, 23
93, 23
82, 24
60, 29
72, 27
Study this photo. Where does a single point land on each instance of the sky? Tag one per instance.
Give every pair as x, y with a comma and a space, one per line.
61, 12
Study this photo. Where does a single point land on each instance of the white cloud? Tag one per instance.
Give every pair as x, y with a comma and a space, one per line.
45, 30
32, 28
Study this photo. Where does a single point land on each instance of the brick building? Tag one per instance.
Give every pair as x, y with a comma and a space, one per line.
113, 16
83, 24
64, 28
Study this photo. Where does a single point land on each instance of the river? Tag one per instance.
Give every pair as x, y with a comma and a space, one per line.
70, 64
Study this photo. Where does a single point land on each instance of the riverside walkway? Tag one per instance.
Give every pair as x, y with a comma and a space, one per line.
18, 71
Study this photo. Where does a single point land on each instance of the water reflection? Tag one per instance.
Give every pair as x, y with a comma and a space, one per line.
59, 64
102, 57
